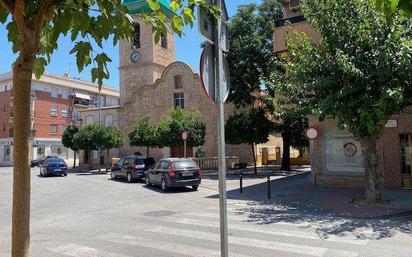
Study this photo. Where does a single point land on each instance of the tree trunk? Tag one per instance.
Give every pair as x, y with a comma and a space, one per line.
147, 152
74, 162
254, 160
22, 73
370, 164
286, 151
107, 160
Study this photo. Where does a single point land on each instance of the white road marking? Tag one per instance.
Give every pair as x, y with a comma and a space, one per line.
263, 244
175, 248
273, 231
83, 251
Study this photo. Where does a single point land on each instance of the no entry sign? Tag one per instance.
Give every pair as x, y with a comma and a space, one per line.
311, 133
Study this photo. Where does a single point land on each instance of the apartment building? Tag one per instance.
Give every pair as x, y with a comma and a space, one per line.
55, 103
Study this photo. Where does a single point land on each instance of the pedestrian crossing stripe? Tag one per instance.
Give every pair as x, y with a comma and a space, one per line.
75, 250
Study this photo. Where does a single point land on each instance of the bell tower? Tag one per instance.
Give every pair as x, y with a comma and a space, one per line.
142, 61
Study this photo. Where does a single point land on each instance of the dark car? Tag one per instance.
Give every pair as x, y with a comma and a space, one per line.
53, 166
39, 161
173, 172
131, 168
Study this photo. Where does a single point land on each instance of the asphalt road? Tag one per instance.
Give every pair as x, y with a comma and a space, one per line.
87, 215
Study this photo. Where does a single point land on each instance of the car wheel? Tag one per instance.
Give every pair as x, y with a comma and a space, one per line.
65, 174
164, 185
112, 175
41, 173
129, 177
195, 188
147, 181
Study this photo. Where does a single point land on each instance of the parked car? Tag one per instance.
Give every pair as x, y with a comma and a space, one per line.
53, 166
172, 172
131, 168
39, 161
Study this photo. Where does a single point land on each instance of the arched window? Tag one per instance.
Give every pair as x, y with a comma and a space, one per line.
136, 36
108, 120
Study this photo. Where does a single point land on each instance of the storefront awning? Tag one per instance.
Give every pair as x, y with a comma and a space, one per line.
82, 96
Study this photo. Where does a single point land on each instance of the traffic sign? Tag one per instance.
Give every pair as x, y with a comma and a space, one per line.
206, 24
185, 135
311, 133
207, 74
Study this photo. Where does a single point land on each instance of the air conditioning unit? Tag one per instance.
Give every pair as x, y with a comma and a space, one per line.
294, 5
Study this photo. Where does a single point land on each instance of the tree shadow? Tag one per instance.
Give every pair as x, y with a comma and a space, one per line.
327, 211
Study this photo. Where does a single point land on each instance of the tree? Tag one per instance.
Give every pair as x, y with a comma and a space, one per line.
112, 138
144, 135
359, 73
251, 58
89, 138
67, 140
249, 128
390, 7
34, 28
170, 130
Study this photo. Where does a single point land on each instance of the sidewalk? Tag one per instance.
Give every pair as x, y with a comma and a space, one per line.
294, 195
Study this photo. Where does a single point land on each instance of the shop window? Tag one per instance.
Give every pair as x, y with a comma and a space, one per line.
343, 155
179, 100
53, 111
178, 81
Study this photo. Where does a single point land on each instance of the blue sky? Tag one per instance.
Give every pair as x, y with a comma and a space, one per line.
187, 50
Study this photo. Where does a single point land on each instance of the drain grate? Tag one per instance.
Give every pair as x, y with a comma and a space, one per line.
159, 213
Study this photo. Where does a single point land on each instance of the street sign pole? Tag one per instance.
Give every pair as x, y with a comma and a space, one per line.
184, 148
221, 138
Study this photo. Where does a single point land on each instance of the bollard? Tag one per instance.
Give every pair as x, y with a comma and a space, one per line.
269, 187
241, 183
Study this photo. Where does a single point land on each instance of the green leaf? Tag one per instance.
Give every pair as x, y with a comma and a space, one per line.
154, 5
82, 50
39, 66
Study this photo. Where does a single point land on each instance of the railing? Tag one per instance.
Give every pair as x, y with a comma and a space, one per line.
213, 163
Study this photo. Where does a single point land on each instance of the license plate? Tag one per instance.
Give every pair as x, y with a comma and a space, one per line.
187, 174
57, 169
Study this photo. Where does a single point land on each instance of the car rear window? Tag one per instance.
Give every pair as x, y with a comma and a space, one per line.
185, 165
139, 161
55, 160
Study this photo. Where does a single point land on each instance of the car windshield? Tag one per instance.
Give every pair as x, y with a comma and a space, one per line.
185, 165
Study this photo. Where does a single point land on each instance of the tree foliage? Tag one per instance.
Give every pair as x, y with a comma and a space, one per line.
144, 135
112, 138
359, 73
89, 137
251, 57
68, 137
391, 7
170, 130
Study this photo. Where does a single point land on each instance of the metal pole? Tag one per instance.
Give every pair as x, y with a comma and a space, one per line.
184, 144
100, 123
268, 182
241, 183
221, 140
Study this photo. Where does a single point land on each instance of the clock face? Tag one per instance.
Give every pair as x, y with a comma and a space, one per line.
135, 56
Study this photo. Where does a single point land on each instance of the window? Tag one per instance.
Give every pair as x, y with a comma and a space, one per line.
11, 132
65, 94
76, 116
54, 92
89, 119
406, 159
163, 40
53, 111
5, 88
53, 129
65, 113
178, 81
63, 128
136, 36
179, 100
108, 120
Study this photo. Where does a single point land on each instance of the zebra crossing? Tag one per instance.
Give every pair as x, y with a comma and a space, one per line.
197, 234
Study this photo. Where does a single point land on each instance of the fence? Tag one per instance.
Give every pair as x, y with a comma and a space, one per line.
213, 163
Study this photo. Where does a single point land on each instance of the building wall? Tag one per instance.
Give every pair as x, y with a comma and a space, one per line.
5, 109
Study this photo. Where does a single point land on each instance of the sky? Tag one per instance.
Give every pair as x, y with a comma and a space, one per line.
187, 50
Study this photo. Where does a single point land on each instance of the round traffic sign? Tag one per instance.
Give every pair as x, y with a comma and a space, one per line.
311, 133
185, 135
